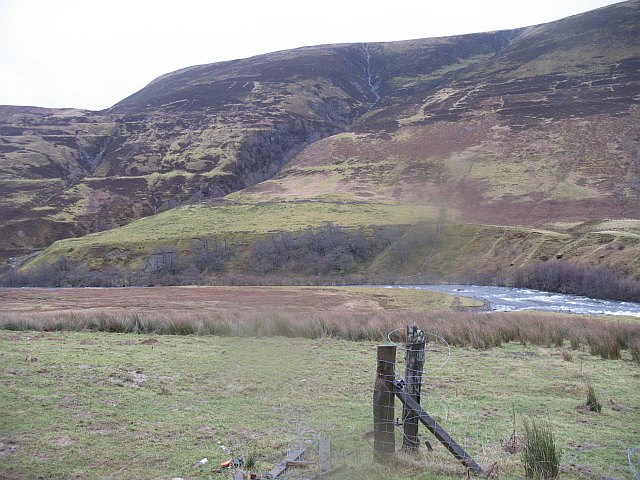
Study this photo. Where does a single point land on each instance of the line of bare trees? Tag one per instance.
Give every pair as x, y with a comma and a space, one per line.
328, 254
326, 250
321, 252
577, 279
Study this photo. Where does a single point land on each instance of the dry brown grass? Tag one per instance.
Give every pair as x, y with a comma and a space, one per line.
179, 300
467, 329
634, 348
313, 312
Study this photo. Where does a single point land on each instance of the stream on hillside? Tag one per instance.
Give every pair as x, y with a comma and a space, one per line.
507, 299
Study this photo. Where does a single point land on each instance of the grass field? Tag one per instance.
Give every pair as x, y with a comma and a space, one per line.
96, 405
85, 405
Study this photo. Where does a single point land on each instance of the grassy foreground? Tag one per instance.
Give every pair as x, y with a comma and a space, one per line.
98, 405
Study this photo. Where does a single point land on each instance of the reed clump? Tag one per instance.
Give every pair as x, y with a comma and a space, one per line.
593, 403
540, 455
634, 348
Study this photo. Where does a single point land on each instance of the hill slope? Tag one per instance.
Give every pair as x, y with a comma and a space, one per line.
536, 127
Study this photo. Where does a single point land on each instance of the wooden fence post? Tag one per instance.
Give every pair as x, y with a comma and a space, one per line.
384, 447
324, 453
414, 363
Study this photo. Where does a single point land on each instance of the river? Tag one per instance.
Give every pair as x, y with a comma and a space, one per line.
506, 299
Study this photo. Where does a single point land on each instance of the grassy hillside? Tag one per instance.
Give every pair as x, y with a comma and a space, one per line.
238, 223
420, 245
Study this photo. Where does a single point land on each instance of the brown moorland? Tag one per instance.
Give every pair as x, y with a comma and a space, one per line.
532, 127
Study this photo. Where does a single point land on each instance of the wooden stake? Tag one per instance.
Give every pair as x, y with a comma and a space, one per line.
324, 453
439, 432
414, 362
384, 447
282, 466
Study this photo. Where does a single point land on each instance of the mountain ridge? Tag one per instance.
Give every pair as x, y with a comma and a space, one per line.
496, 127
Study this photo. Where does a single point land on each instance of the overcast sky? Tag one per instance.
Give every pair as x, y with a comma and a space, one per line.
93, 53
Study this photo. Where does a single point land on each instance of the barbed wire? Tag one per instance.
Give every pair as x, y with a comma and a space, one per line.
475, 437
401, 346
448, 397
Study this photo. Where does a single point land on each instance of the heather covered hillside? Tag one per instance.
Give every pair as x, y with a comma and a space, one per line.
510, 147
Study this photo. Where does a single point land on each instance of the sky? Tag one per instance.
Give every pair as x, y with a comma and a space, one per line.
93, 53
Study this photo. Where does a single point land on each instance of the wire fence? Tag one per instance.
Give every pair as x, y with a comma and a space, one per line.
473, 435
489, 436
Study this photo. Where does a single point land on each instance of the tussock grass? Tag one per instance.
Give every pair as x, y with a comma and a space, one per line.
540, 456
605, 344
634, 348
575, 342
593, 403
481, 331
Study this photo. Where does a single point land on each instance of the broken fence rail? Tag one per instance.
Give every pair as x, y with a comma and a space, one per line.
442, 436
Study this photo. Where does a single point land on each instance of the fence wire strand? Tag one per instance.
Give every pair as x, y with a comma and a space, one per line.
446, 395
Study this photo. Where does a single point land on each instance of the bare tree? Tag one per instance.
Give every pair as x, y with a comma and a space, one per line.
210, 255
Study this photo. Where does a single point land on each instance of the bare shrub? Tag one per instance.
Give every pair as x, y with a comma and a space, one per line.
210, 255
577, 279
326, 250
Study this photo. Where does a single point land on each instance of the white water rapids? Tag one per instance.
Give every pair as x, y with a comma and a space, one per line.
506, 299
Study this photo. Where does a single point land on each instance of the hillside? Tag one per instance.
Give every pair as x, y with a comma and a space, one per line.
493, 137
